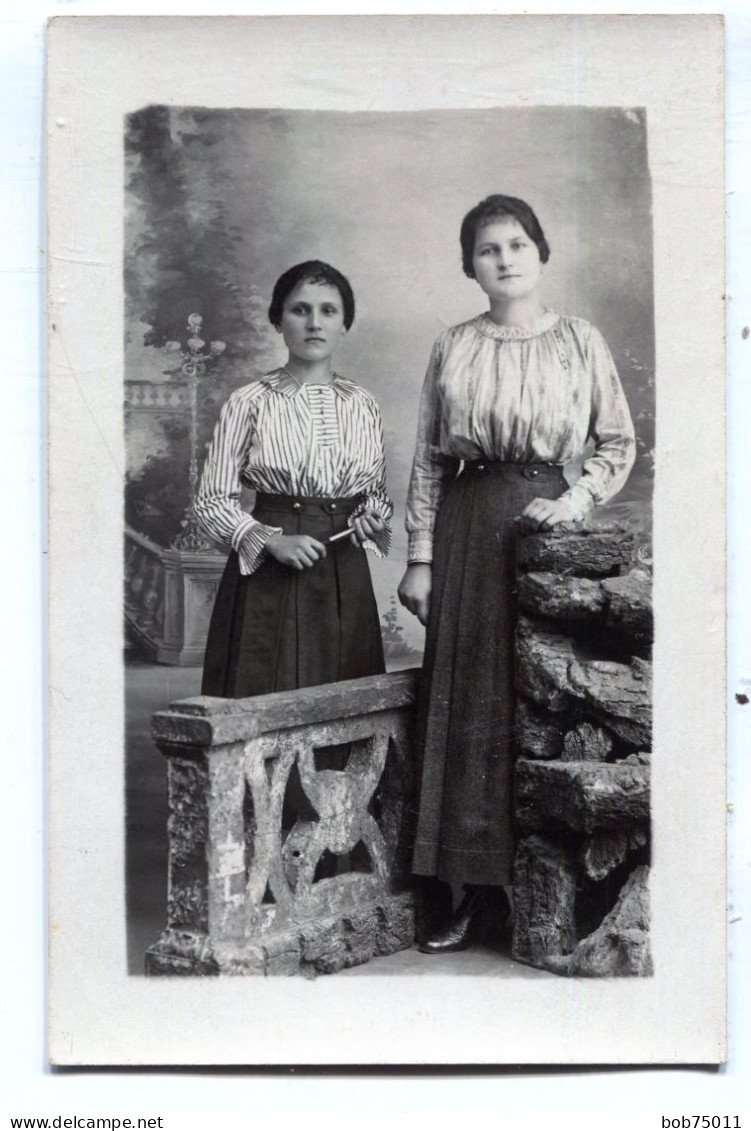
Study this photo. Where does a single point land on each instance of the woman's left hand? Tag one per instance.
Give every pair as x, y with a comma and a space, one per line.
544, 514
365, 526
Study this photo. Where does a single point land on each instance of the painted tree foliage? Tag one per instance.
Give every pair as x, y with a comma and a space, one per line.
183, 256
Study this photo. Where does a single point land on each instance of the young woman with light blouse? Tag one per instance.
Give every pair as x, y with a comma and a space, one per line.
510, 397
295, 606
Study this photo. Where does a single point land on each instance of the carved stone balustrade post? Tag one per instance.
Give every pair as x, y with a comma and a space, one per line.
289, 829
190, 586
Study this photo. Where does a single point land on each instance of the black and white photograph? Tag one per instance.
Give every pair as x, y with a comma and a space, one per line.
401, 520
289, 278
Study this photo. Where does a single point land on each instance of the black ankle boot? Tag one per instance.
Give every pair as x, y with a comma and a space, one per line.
481, 916
462, 929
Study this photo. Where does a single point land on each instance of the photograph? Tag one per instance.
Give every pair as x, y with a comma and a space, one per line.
277, 407
386, 540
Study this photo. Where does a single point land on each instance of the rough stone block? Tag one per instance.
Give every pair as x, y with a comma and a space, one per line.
240, 959
543, 660
159, 965
326, 947
560, 596
281, 954
606, 850
639, 758
593, 551
619, 695
544, 896
629, 606
620, 945
395, 924
587, 743
537, 735
322, 946
583, 795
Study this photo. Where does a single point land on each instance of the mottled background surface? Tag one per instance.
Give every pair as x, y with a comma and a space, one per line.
219, 203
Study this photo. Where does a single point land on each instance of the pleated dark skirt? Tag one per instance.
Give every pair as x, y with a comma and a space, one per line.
466, 709
281, 628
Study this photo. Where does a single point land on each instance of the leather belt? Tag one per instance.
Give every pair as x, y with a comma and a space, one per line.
301, 504
526, 470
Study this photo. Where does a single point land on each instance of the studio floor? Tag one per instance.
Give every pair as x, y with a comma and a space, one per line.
149, 688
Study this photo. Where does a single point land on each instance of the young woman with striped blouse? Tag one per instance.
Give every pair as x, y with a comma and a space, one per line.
295, 606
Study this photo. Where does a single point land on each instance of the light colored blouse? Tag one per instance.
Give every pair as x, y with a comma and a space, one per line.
285, 438
520, 395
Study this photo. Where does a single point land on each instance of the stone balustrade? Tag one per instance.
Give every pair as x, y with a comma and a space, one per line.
169, 595
156, 396
584, 728
291, 815
144, 589
289, 829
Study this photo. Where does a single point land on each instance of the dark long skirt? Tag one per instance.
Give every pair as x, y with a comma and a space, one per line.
280, 628
466, 709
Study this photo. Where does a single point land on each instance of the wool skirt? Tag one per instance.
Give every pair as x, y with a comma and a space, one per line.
279, 628
465, 728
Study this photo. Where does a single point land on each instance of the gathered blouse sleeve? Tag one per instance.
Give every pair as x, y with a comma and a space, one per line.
376, 498
610, 427
432, 469
217, 506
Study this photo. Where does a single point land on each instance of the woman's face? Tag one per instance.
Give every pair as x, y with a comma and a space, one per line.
312, 321
506, 261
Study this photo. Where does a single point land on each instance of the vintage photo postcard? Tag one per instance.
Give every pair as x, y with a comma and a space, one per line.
386, 540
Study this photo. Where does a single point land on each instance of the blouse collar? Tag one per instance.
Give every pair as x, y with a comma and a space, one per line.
282, 381
485, 324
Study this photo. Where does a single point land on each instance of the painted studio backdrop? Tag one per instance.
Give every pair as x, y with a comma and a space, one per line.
218, 203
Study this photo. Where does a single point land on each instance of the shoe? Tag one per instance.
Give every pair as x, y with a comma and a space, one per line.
462, 930
482, 916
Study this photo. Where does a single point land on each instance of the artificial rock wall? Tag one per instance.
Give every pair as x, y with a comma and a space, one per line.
584, 730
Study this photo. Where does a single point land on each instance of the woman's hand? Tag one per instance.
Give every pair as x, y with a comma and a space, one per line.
544, 514
299, 551
365, 526
414, 590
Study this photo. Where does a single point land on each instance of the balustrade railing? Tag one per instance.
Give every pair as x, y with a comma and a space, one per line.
289, 829
169, 595
144, 590
152, 396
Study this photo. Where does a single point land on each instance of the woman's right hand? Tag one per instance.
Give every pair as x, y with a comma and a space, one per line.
414, 590
299, 551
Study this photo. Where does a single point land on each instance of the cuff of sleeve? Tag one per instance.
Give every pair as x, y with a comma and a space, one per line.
249, 540
380, 545
580, 500
420, 548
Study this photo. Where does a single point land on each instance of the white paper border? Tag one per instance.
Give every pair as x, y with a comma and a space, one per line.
100, 1015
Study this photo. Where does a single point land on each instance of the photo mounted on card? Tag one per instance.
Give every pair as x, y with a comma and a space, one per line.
386, 540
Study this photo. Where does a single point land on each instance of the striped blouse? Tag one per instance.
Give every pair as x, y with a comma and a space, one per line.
519, 395
285, 438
